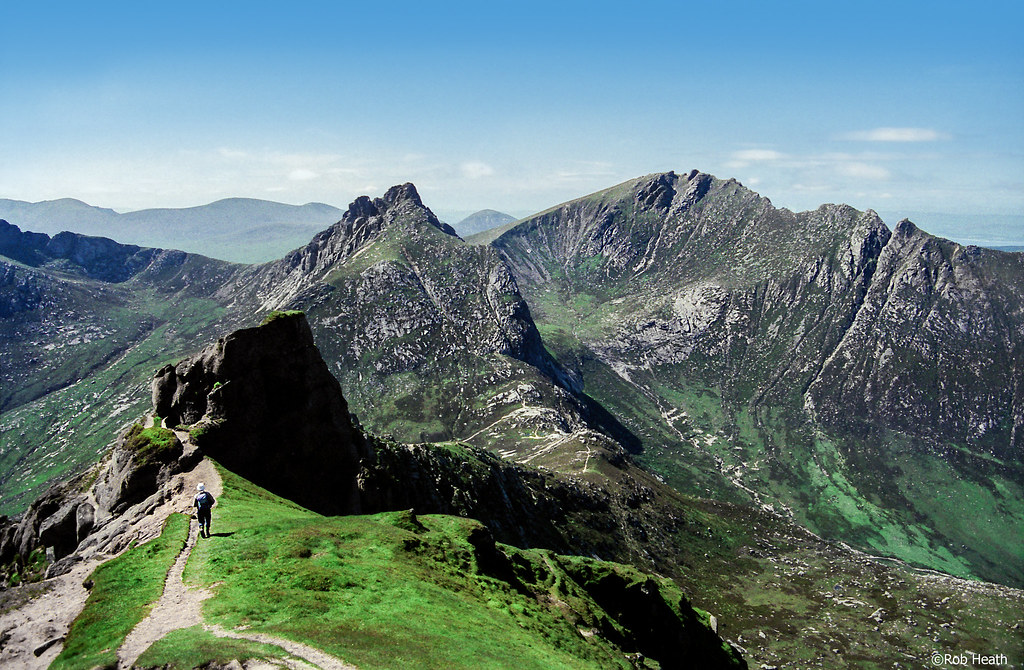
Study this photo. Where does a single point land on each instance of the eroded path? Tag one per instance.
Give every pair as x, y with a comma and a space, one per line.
179, 606
32, 635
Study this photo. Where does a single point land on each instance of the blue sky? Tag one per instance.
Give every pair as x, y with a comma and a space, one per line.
899, 107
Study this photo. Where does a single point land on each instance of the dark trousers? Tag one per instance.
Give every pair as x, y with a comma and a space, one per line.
204, 519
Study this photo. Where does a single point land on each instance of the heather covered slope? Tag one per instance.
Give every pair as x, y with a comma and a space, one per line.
817, 363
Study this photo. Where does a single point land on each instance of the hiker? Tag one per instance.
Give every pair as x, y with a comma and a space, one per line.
204, 502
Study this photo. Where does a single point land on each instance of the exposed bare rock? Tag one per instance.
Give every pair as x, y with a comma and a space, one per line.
936, 348
263, 403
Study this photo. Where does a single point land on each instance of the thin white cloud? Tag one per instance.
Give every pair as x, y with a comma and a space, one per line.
302, 174
757, 155
476, 170
895, 135
585, 170
744, 157
863, 171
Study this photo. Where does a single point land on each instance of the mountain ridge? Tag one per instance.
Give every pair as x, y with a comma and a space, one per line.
729, 321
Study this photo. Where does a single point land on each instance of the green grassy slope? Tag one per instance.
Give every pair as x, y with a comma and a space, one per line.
69, 429
400, 590
396, 590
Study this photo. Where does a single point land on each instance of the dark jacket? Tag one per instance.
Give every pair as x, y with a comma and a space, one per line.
204, 500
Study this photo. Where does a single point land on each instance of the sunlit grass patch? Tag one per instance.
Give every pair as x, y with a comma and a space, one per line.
194, 647
399, 590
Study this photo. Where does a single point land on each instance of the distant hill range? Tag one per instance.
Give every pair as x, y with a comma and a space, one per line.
478, 222
242, 230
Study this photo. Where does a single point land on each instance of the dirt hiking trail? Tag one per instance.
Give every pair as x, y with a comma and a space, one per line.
181, 606
32, 635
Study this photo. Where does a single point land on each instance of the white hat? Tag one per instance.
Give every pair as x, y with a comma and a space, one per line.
201, 486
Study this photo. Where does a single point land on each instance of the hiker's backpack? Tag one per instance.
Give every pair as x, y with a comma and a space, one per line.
204, 500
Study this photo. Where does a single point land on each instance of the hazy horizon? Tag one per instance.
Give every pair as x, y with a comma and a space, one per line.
991, 230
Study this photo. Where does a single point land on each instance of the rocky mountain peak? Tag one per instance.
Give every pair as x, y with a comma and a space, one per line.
362, 207
906, 228
364, 222
658, 191
400, 203
401, 193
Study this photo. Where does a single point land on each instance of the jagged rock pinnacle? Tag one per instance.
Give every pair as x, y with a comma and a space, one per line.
401, 193
263, 403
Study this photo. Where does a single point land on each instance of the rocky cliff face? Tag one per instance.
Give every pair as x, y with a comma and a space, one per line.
935, 349
415, 274
93, 512
262, 402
